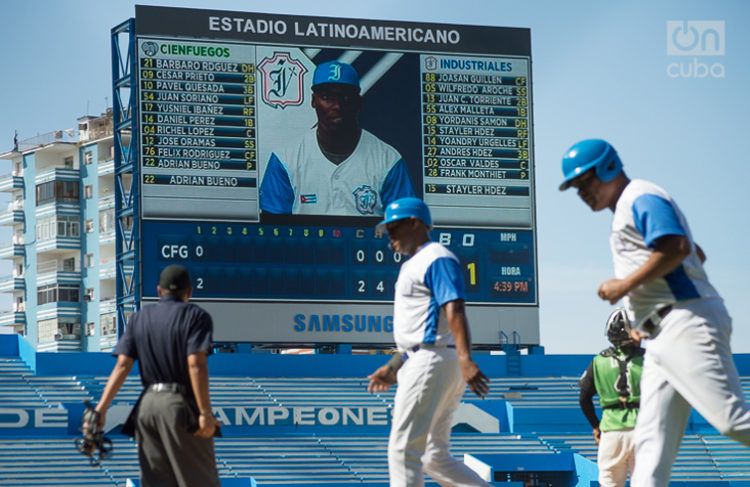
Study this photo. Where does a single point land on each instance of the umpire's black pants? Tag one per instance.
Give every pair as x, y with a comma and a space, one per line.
168, 454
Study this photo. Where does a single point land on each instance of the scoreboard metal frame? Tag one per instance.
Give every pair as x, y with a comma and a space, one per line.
204, 123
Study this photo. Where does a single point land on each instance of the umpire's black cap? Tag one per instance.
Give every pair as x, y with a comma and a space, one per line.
174, 278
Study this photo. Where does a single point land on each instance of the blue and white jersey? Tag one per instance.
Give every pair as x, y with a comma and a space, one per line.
429, 279
301, 180
644, 213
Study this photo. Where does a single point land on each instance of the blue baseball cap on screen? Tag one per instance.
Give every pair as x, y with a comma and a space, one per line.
335, 72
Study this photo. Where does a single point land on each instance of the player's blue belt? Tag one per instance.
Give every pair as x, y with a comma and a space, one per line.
167, 387
424, 346
650, 325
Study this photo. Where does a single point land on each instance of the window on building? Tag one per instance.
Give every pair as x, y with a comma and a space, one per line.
61, 191
88, 157
89, 294
46, 330
67, 190
69, 265
54, 293
107, 221
68, 226
90, 329
68, 162
61, 226
45, 192
68, 330
89, 225
40, 231
74, 228
88, 260
88, 191
108, 324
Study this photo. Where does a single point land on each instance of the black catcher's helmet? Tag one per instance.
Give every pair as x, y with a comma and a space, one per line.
618, 328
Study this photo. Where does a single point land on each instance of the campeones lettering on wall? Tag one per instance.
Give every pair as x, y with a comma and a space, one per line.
303, 416
19, 418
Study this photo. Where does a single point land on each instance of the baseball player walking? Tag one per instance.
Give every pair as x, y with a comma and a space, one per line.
432, 335
615, 375
659, 271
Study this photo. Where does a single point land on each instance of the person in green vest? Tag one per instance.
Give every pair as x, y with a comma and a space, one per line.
614, 375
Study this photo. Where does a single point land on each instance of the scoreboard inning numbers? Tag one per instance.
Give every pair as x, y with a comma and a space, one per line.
278, 232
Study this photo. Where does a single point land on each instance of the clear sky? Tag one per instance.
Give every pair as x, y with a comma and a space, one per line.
600, 69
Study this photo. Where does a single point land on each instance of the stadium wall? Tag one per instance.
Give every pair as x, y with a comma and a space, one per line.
322, 365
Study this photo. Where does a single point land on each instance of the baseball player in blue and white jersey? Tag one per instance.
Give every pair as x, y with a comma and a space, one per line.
659, 273
337, 168
432, 334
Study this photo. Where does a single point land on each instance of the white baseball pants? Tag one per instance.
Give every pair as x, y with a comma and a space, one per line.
689, 363
430, 387
615, 457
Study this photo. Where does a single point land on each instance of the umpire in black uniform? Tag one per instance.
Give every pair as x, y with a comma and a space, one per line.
172, 420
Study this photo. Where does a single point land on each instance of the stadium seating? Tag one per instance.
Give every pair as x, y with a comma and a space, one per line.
305, 458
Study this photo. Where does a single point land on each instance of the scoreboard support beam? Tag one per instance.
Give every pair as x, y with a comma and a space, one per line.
127, 226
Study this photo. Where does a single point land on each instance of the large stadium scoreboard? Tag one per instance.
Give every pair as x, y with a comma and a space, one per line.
220, 92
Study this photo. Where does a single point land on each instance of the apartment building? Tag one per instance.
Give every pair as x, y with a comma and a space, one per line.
61, 217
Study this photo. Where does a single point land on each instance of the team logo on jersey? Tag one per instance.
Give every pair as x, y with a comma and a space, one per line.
308, 199
282, 80
365, 198
150, 48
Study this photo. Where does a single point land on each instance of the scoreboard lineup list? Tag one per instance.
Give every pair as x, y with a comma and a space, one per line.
198, 144
476, 140
199, 147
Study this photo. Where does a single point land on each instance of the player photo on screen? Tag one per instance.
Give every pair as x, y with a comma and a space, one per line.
338, 131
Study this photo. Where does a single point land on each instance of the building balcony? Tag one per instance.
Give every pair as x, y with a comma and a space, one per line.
107, 343
107, 237
12, 250
11, 217
58, 309
58, 244
106, 168
13, 214
106, 202
56, 173
10, 182
108, 270
13, 318
11, 283
62, 343
107, 305
58, 207
56, 276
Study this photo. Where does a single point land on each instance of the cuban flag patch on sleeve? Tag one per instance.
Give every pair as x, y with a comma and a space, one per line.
308, 199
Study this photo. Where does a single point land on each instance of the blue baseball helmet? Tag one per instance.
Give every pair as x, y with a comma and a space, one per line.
335, 72
591, 153
406, 208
